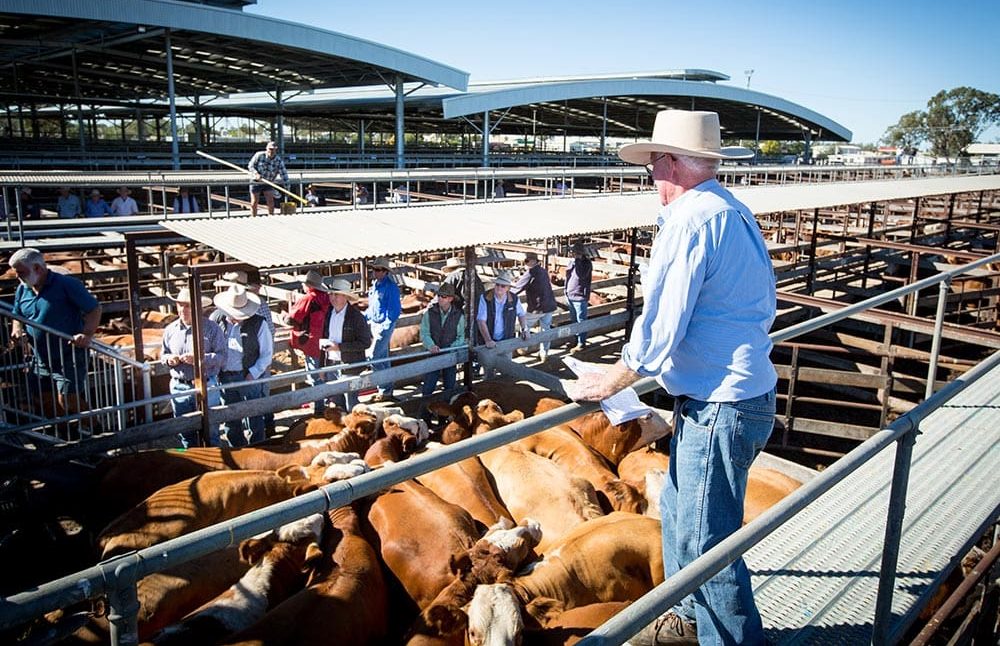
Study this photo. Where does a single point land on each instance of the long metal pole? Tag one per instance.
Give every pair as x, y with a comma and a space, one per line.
400, 134
936, 341
247, 172
893, 535
175, 151
486, 139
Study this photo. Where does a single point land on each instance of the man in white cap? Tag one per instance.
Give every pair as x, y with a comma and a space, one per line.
709, 301
124, 204
249, 351
178, 354
346, 335
496, 315
384, 308
266, 165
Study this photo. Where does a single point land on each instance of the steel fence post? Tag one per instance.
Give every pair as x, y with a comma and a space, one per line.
123, 599
936, 341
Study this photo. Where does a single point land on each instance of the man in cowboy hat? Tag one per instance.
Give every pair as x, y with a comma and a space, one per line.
537, 288
265, 165
384, 308
578, 277
497, 323
249, 351
346, 335
709, 301
442, 326
306, 318
96, 207
124, 204
178, 353
251, 281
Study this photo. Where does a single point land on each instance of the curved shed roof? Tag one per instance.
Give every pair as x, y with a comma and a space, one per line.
633, 102
117, 48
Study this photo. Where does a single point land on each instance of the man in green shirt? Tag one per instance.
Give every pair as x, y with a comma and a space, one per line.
442, 327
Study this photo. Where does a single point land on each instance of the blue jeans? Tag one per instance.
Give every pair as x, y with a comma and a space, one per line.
248, 430
577, 313
313, 363
380, 350
448, 376
350, 398
544, 323
187, 404
702, 503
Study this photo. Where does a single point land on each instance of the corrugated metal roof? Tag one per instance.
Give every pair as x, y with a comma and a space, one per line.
304, 239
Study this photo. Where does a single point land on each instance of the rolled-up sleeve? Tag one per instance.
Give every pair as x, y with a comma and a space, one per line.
670, 288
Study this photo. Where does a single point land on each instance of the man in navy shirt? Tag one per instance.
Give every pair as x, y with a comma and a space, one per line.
62, 303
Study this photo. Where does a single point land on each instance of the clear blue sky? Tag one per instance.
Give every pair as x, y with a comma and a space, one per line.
862, 63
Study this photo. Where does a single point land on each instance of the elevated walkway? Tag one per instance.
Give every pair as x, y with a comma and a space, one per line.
816, 578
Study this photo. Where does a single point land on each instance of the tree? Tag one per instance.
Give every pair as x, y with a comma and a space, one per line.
953, 120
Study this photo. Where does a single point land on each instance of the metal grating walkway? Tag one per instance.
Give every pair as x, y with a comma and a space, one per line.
816, 578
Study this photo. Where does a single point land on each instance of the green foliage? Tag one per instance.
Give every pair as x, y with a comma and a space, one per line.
953, 120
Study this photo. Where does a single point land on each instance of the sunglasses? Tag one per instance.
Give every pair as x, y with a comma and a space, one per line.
652, 164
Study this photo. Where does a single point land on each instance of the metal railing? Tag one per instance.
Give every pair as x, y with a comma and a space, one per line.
117, 577
52, 391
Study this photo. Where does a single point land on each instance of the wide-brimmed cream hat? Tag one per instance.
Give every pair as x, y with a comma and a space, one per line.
340, 286
237, 303
380, 263
504, 278
184, 296
230, 278
683, 132
314, 279
454, 261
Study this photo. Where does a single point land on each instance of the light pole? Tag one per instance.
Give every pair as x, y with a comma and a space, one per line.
748, 74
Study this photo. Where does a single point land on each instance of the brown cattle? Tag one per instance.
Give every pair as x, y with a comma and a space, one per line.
345, 601
612, 558
517, 397
614, 442
467, 484
566, 627
192, 504
765, 488
280, 563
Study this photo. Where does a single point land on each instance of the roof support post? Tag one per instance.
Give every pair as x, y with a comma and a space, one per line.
279, 122
756, 138
81, 124
486, 139
361, 136
400, 155
604, 126
807, 154
175, 151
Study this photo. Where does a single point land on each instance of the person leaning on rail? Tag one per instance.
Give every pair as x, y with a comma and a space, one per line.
708, 304
497, 313
63, 303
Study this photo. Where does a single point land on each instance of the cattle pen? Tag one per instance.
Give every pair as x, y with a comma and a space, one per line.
840, 248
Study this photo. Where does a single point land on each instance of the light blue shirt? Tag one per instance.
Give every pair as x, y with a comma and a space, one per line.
709, 301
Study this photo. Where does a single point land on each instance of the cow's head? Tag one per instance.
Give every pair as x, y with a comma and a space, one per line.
497, 616
491, 416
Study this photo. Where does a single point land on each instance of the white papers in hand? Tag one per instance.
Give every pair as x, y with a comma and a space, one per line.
620, 407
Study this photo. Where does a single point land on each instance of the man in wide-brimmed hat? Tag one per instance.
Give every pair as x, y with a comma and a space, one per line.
346, 335
579, 274
249, 351
177, 352
497, 315
708, 304
266, 165
384, 308
306, 318
441, 327
456, 278
124, 204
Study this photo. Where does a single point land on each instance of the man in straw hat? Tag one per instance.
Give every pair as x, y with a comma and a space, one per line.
96, 207
177, 352
456, 278
384, 308
709, 301
249, 351
346, 335
124, 204
306, 318
442, 326
497, 323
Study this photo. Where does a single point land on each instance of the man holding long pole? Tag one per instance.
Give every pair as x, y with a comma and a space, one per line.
264, 167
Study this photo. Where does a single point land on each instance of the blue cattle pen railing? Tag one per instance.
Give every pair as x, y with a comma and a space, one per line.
117, 577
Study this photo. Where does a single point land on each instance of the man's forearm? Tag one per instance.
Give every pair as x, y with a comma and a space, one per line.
91, 320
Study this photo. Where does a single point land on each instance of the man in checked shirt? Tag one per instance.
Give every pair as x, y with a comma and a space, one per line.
265, 165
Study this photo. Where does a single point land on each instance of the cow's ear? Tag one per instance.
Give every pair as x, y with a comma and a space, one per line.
305, 487
540, 611
252, 550
445, 619
314, 554
333, 414
468, 415
292, 473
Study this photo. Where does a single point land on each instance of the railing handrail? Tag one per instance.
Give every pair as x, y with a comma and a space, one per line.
6, 310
